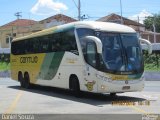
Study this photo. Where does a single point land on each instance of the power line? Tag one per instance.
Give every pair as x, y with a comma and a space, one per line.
75, 3
79, 8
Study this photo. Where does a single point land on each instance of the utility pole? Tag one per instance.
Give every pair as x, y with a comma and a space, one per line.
79, 10
18, 14
154, 30
139, 27
121, 11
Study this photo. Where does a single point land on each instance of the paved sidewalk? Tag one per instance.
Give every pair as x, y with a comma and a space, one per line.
152, 76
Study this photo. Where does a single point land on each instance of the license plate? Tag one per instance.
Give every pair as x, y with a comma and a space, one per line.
126, 88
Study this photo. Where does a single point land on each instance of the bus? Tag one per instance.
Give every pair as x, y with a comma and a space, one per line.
89, 56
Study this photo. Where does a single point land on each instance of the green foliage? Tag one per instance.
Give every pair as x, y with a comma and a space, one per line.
152, 62
4, 62
148, 22
4, 66
5, 58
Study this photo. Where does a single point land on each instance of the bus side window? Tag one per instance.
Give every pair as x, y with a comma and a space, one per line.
91, 54
30, 47
18, 47
52, 47
35, 45
46, 44
21, 47
15, 49
43, 44
69, 41
56, 47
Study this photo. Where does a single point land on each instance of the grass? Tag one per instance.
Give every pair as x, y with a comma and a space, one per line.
151, 67
4, 66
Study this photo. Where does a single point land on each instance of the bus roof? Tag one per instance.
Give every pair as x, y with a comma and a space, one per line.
103, 26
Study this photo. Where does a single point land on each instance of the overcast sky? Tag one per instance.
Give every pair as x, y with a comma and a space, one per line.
93, 9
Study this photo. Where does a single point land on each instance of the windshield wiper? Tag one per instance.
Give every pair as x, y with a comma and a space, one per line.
125, 58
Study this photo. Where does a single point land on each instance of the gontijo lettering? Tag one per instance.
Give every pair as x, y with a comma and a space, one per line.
29, 59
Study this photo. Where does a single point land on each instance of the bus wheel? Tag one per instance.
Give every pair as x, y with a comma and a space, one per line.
74, 86
27, 84
21, 79
112, 94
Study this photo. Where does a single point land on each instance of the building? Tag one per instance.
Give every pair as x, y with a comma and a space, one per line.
22, 27
138, 27
17, 28
151, 36
117, 19
55, 20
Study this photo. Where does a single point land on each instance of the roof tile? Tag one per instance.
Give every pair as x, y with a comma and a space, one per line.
20, 22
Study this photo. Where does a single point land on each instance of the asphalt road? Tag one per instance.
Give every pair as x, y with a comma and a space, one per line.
61, 104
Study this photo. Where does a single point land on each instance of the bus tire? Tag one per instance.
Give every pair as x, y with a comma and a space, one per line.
21, 79
27, 84
74, 86
113, 94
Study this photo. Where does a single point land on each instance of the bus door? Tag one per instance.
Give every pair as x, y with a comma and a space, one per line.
90, 71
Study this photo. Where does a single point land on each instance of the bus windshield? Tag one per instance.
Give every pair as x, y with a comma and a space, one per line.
121, 52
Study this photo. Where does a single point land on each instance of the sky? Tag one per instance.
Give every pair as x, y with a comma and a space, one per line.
92, 9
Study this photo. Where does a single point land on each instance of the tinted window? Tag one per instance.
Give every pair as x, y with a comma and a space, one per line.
44, 43
69, 42
91, 54
82, 32
57, 42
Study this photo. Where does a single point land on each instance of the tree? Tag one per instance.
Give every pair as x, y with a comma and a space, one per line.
149, 21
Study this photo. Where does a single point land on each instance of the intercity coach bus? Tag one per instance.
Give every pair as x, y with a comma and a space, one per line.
87, 56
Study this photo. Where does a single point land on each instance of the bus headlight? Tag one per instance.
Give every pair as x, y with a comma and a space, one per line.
103, 87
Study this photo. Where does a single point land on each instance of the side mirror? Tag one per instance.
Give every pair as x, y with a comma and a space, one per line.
149, 45
97, 41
